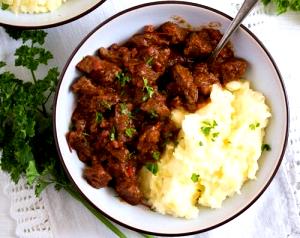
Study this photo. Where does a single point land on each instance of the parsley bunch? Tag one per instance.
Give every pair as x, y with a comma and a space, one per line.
26, 138
284, 5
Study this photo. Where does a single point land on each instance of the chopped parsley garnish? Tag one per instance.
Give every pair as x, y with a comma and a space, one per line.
153, 114
200, 143
124, 109
106, 104
266, 147
122, 78
208, 126
4, 6
129, 132
195, 177
149, 61
99, 117
214, 136
253, 126
156, 155
152, 167
149, 90
112, 135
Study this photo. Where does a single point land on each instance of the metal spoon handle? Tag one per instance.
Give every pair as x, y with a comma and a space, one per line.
242, 13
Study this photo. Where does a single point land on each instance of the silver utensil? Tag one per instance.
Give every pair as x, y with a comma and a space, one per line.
236, 22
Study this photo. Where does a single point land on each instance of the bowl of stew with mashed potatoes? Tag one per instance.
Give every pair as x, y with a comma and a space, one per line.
43, 13
152, 134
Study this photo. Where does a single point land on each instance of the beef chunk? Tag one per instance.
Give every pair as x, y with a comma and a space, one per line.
96, 176
147, 39
149, 139
175, 33
101, 71
204, 79
233, 69
77, 140
84, 86
129, 191
185, 82
198, 44
156, 106
117, 54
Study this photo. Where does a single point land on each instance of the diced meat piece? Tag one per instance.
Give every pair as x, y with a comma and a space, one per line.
233, 69
129, 191
198, 44
117, 150
140, 70
149, 29
185, 82
84, 86
155, 57
78, 142
149, 139
175, 58
214, 35
147, 39
169, 131
117, 54
106, 98
96, 176
101, 71
175, 33
126, 180
204, 79
156, 106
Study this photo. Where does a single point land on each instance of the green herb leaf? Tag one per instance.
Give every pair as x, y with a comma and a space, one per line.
200, 143
149, 90
112, 135
207, 127
253, 126
31, 172
4, 6
2, 64
149, 61
122, 78
129, 132
195, 177
156, 155
266, 147
152, 167
99, 117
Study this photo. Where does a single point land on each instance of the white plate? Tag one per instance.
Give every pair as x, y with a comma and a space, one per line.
69, 11
262, 73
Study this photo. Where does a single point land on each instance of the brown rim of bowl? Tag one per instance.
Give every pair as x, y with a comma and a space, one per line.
237, 213
54, 24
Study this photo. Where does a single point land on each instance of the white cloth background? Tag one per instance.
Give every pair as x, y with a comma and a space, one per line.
276, 214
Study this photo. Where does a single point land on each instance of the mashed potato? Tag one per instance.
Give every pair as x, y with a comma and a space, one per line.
32, 6
218, 148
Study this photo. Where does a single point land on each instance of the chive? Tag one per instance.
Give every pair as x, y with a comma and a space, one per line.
75, 194
195, 177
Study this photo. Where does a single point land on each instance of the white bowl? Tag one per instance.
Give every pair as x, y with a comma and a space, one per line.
263, 74
69, 11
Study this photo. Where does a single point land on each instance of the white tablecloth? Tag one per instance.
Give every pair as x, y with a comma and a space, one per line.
275, 214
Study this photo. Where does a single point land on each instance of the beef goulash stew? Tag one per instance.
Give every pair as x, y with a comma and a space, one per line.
125, 96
